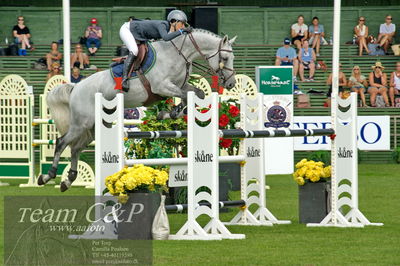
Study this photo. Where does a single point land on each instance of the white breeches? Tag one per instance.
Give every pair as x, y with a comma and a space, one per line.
127, 37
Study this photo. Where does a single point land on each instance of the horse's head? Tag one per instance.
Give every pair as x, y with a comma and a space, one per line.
222, 62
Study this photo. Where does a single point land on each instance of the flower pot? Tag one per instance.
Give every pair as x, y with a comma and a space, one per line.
231, 172
229, 175
313, 202
137, 215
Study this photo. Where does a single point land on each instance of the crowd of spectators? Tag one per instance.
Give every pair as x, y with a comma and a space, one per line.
308, 40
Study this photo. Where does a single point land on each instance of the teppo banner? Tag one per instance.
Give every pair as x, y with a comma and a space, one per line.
373, 133
276, 82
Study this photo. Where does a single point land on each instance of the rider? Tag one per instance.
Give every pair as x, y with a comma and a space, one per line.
143, 30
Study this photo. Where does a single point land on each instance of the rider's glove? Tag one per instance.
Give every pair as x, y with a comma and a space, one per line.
188, 29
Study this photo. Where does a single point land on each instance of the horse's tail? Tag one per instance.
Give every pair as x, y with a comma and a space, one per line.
58, 103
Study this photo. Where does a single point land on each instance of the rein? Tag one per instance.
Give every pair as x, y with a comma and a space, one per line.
206, 69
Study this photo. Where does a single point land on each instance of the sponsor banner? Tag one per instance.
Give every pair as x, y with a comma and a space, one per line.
178, 176
279, 151
279, 111
274, 79
373, 133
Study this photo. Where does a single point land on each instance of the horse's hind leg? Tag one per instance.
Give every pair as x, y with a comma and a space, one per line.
61, 144
76, 149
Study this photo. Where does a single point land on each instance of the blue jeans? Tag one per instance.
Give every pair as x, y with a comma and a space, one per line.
94, 41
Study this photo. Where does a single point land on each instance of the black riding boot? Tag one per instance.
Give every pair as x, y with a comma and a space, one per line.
127, 66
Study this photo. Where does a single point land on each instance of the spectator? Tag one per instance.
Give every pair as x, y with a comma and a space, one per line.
378, 84
299, 32
55, 70
53, 56
358, 83
361, 33
386, 33
286, 56
93, 34
317, 34
76, 75
342, 82
395, 84
22, 35
79, 59
306, 61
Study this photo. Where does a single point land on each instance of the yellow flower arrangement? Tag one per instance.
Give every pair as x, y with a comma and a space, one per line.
310, 170
138, 177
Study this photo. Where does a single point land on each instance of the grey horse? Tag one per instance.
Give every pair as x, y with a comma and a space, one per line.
72, 106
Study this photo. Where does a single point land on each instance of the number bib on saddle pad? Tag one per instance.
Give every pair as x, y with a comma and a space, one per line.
148, 63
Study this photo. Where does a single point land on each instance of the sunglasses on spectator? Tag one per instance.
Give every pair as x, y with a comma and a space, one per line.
356, 69
389, 18
20, 19
361, 20
56, 68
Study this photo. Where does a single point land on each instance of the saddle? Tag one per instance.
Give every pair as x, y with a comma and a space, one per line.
137, 67
140, 58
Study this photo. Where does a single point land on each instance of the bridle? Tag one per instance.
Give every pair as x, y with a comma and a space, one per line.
205, 69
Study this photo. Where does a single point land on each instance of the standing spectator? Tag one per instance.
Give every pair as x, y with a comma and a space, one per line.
306, 61
76, 75
342, 82
361, 33
286, 56
358, 83
386, 33
394, 84
53, 56
55, 70
378, 84
93, 34
22, 35
317, 33
299, 32
79, 59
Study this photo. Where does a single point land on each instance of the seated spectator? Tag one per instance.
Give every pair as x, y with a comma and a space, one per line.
306, 61
387, 31
22, 35
378, 84
53, 56
76, 75
342, 82
93, 34
79, 59
361, 33
299, 32
358, 83
286, 56
317, 34
394, 84
55, 70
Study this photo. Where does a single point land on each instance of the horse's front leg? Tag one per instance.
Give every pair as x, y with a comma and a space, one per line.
188, 87
180, 109
169, 89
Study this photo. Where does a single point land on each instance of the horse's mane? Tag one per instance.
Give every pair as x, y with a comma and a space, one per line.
194, 30
207, 32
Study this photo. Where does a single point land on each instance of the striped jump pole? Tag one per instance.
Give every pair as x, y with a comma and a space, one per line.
235, 133
222, 204
41, 121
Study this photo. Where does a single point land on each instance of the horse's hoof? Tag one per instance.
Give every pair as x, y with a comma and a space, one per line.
63, 186
163, 115
41, 181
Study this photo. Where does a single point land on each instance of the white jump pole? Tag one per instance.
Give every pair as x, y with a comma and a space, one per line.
344, 158
67, 40
334, 95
